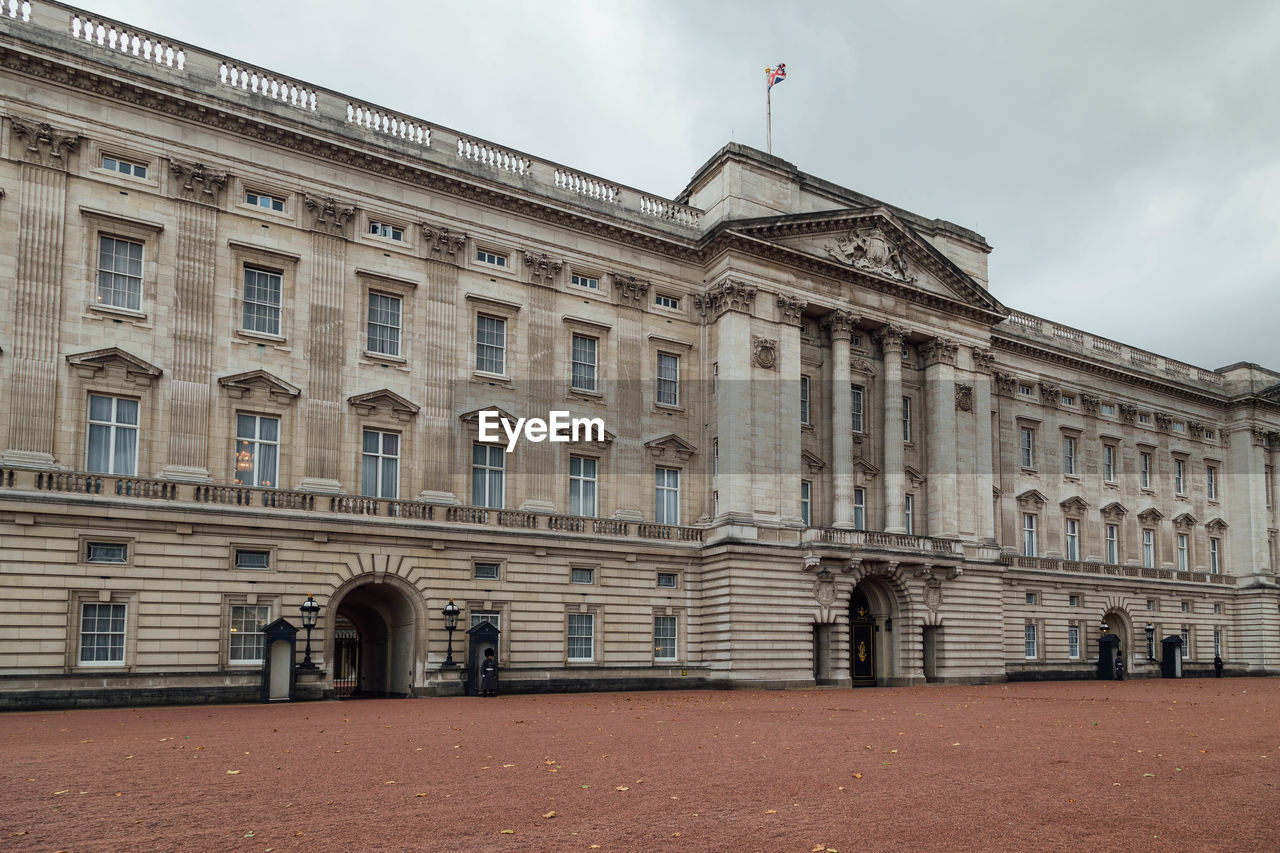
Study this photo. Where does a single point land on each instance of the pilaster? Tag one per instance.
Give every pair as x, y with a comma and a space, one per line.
890, 339
42, 204
436, 427
727, 306
940, 437
839, 325
984, 467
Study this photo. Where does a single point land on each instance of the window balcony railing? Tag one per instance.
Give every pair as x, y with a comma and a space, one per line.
85, 484
1053, 564
880, 540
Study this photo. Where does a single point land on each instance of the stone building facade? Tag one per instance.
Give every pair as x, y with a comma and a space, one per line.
256, 326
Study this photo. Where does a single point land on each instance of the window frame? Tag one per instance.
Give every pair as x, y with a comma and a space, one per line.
589, 617
233, 634
81, 603
380, 457
1074, 646
906, 420
1030, 534
661, 573
1111, 544
1031, 640
1069, 454
1027, 447
667, 494
489, 467
371, 293
581, 368
258, 442
501, 347
1145, 469
806, 502
1211, 482
859, 508
497, 569
581, 480
113, 427
909, 513
857, 409
259, 269
1149, 551
492, 258
674, 638
1110, 463
259, 194
585, 281
1179, 476
666, 389
806, 403
102, 236
1071, 536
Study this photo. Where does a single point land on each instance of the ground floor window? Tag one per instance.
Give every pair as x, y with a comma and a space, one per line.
581, 636
1030, 641
102, 634
664, 638
247, 622
1073, 642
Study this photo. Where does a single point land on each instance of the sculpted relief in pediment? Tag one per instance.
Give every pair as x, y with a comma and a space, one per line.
871, 249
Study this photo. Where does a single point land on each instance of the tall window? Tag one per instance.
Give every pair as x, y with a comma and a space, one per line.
491, 344
1029, 545
1109, 463
804, 400
1028, 444
247, 622
581, 636
859, 509
1215, 555
113, 436
102, 634
1185, 633
119, 273
668, 391
261, 301
715, 457
858, 396
1112, 532
1072, 530
806, 497
1068, 455
380, 464
1211, 482
1073, 642
664, 638
909, 513
1030, 640
1144, 467
582, 486
1217, 642
1180, 476
1149, 548
906, 419
584, 363
1184, 548
384, 324
666, 509
257, 451
488, 469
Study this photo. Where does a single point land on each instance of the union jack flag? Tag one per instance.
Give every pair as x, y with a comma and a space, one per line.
776, 75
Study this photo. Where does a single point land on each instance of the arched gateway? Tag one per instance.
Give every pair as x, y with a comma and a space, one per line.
372, 637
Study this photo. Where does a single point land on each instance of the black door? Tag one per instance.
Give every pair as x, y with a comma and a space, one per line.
862, 645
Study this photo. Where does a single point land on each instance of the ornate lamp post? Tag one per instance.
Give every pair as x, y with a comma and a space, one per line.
310, 611
451, 612
1151, 640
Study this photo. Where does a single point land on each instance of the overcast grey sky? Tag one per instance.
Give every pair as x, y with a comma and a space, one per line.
1123, 159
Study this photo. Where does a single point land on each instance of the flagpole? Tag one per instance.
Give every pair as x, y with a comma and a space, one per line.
768, 117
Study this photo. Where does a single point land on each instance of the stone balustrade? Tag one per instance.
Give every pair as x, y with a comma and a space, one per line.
880, 540
1052, 564
1084, 343
78, 485
213, 76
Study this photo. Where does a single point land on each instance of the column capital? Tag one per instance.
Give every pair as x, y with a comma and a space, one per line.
328, 215
839, 324
728, 295
940, 351
1006, 383
1050, 393
196, 182
44, 144
542, 268
443, 244
890, 337
982, 358
791, 310
629, 290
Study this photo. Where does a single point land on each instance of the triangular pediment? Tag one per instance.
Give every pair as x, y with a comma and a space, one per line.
875, 243
473, 416
914, 475
812, 461
95, 361
1031, 497
1150, 515
384, 400
1114, 510
1074, 504
244, 385
1184, 521
670, 446
1215, 525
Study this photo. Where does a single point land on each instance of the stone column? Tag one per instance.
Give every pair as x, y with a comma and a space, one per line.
537, 461
788, 472
839, 325
630, 464
890, 339
727, 307
1245, 491
330, 222
198, 190
37, 291
940, 437
436, 426
984, 465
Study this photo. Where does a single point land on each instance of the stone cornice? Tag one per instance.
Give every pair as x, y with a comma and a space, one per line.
1023, 348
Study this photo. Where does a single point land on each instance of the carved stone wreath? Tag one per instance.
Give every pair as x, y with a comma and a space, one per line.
764, 352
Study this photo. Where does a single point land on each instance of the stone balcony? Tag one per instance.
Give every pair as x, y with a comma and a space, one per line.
1052, 564
107, 488
878, 544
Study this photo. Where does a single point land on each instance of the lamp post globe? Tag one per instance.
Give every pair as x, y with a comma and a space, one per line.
310, 612
450, 612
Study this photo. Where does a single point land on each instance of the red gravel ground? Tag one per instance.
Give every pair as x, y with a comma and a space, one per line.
1137, 765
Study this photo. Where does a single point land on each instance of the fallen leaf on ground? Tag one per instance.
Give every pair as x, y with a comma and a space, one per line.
233, 772
549, 814
622, 788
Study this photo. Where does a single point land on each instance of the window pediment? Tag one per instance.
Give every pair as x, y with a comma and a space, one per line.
1216, 525
1150, 515
92, 363
812, 461
670, 445
1031, 498
384, 400
1114, 511
242, 385
1075, 505
1184, 521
